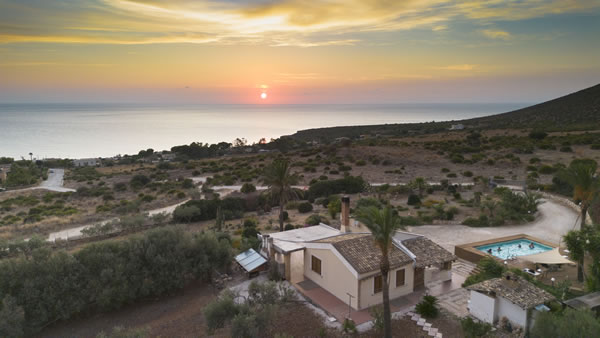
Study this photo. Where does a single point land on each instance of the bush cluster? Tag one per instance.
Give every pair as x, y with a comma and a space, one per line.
52, 286
346, 185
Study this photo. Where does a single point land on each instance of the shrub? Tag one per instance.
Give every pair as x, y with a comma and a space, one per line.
427, 307
289, 227
538, 135
138, 181
489, 268
366, 202
314, 219
473, 329
248, 188
347, 185
219, 312
305, 207
107, 275
348, 326
414, 200
467, 173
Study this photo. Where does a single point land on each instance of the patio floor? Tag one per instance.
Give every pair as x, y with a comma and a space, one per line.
338, 309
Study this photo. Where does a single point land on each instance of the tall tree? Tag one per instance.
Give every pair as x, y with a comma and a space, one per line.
575, 242
280, 179
581, 175
382, 223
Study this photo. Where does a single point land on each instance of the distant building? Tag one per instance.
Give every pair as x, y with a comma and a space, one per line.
4, 170
87, 162
168, 157
459, 126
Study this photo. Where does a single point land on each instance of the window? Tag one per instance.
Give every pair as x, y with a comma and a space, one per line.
400, 277
316, 265
377, 284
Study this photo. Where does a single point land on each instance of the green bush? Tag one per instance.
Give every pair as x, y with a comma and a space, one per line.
569, 323
107, 275
427, 307
305, 207
248, 188
414, 200
346, 185
315, 219
473, 329
489, 268
139, 181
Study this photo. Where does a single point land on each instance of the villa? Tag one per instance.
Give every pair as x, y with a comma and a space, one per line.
345, 262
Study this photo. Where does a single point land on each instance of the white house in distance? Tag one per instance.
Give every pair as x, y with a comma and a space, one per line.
459, 126
345, 263
86, 162
509, 296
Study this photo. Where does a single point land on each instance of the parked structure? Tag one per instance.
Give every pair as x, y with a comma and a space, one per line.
509, 296
345, 262
459, 126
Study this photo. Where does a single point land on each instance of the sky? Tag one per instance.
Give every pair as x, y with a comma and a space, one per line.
297, 51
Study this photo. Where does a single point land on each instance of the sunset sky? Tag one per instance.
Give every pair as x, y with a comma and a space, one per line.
296, 51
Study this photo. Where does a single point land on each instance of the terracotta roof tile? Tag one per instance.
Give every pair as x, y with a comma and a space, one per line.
516, 289
364, 255
427, 252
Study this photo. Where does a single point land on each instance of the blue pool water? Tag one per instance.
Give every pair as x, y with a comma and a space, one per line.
511, 248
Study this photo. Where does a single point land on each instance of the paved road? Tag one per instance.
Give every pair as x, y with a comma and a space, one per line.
54, 182
554, 221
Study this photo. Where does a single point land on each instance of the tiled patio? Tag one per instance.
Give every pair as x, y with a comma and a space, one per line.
338, 309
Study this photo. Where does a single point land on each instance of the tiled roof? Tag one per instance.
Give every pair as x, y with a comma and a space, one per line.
427, 252
516, 289
364, 255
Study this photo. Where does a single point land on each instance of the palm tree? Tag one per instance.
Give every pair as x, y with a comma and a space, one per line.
419, 184
581, 175
382, 224
280, 180
575, 243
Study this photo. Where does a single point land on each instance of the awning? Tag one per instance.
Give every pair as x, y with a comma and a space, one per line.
250, 260
548, 257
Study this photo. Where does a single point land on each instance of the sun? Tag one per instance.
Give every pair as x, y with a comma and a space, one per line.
263, 96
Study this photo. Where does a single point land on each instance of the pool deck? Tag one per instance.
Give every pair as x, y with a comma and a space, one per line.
470, 252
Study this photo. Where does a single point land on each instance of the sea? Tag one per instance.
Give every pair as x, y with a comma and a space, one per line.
104, 130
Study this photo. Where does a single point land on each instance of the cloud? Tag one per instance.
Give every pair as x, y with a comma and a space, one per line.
272, 22
496, 34
463, 67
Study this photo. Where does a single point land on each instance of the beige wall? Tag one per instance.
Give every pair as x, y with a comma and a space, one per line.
335, 276
368, 298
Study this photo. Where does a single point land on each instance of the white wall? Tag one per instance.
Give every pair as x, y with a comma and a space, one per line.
335, 276
368, 298
482, 307
514, 313
434, 274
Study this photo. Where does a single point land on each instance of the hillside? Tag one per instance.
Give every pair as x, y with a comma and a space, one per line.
576, 111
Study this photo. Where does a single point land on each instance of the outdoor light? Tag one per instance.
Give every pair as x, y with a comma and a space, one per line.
552, 279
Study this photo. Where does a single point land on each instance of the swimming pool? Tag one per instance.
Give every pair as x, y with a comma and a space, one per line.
511, 248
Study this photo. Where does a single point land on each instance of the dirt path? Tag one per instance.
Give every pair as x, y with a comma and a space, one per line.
180, 315
555, 220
